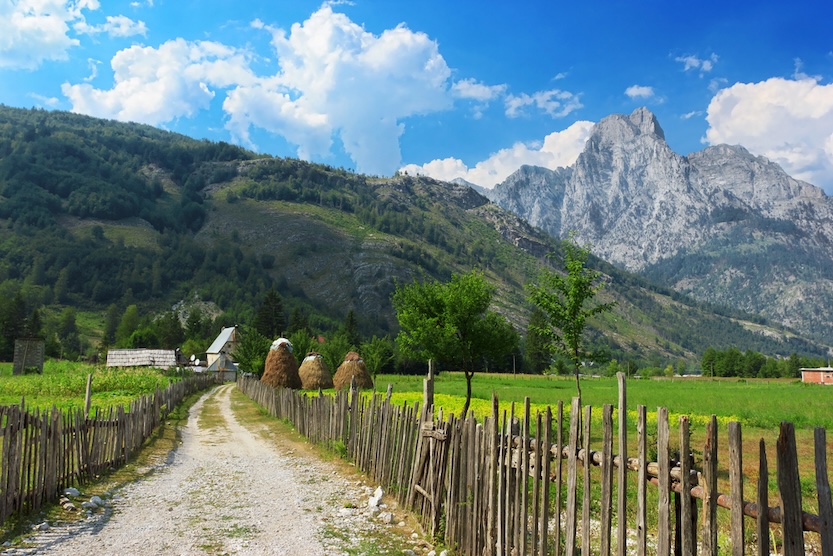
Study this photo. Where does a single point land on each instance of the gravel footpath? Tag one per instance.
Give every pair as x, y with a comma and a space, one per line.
229, 490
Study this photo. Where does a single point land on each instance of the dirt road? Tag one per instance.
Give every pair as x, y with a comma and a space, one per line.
233, 489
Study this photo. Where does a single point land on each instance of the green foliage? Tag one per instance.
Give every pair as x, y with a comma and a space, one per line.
350, 329
538, 355
566, 303
252, 350
334, 349
376, 352
302, 343
64, 385
270, 320
452, 323
750, 364
128, 324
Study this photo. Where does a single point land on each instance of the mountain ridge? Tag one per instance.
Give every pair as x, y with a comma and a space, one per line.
739, 217
220, 222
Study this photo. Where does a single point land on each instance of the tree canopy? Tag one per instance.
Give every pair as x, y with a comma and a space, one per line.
452, 323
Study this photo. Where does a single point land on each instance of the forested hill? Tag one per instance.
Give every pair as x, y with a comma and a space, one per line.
99, 215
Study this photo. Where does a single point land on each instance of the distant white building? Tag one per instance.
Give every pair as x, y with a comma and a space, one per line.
224, 343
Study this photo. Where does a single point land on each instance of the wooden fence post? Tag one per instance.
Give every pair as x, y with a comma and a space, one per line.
641, 502
572, 471
823, 491
790, 488
763, 502
736, 485
664, 486
686, 526
710, 487
622, 492
607, 477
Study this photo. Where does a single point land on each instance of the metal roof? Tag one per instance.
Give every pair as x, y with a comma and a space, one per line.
221, 340
159, 358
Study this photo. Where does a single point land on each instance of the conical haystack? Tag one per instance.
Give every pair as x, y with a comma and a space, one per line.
281, 367
314, 372
353, 366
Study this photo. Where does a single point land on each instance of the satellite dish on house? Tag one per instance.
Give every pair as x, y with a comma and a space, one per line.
193, 357
197, 362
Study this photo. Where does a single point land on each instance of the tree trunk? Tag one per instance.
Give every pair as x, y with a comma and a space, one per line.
465, 411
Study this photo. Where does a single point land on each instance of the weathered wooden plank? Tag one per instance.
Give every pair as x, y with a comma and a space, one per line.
622, 478
664, 487
823, 491
606, 501
545, 498
686, 526
587, 486
536, 483
736, 486
641, 495
523, 482
789, 486
763, 501
710, 489
572, 471
492, 477
559, 460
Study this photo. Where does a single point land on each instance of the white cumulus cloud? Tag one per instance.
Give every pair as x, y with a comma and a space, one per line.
37, 30
559, 149
335, 79
790, 121
639, 91
157, 85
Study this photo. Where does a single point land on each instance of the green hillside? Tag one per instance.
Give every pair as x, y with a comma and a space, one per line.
98, 216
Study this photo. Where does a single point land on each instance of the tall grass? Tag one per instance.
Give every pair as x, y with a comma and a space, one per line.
63, 384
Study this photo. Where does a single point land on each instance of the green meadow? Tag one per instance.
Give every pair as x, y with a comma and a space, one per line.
63, 384
754, 403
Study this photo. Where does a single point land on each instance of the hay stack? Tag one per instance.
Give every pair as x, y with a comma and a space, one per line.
353, 366
281, 367
314, 373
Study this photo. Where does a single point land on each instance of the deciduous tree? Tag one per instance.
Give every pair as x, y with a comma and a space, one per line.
451, 322
566, 301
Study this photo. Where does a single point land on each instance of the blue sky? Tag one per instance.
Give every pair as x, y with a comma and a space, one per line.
469, 89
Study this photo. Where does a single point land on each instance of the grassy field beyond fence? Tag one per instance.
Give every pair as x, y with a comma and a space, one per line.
63, 384
754, 403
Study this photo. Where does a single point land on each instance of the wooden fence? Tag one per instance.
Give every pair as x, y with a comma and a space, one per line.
537, 485
43, 452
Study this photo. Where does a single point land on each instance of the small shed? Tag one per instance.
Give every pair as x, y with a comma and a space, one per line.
225, 342
224, 368
28, 355
822, 375
158, 358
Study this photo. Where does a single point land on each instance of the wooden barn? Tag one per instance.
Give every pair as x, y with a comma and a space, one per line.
158, 358
822, 375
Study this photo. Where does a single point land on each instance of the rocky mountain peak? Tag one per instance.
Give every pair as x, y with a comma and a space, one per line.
722, 224
647, 123
621, 128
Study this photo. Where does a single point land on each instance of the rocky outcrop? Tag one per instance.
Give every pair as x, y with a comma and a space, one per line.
721, 224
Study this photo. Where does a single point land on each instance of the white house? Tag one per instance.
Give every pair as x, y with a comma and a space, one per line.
224, 343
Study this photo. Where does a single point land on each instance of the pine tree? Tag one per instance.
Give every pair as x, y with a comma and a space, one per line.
270, 320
